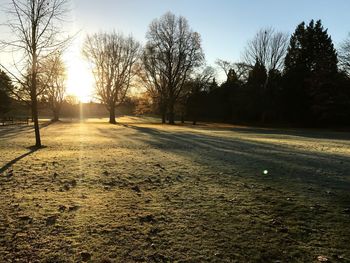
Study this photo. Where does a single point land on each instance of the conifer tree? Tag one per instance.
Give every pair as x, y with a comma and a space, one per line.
310, 72
5, 86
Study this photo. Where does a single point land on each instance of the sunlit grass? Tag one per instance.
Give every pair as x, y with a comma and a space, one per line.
157, 193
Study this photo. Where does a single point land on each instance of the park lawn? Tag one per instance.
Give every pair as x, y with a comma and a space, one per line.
139, 192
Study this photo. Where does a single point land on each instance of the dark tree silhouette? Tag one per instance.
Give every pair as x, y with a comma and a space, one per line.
153, 77
241, 69
301, 86
256, 91
5, 88
172, 52
311, 73
224, 65
268, 47
201, 82
113, 58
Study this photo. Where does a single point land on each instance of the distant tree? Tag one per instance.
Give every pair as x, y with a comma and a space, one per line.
54, 80
36, 26
255, 91
5, 88
171, 54
144, 104
233, 96
113, 58
241, 68
268, 47
153, 77
224, 65
71, 99
273, 98
311, 72
232, 76
213, 85
344, 56
201, 82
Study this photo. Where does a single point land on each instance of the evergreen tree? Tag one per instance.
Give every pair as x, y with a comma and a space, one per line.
5, 86
232, 77
213, 85
232, 95
310, 72
255, 92
273, 107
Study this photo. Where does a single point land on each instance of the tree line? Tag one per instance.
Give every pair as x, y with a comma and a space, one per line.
300, 79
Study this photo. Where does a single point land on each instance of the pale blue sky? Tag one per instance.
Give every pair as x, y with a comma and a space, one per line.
225, 25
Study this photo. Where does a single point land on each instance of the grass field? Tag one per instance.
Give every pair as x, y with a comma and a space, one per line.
140, 192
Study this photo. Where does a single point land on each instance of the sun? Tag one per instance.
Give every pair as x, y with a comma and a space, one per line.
80, 81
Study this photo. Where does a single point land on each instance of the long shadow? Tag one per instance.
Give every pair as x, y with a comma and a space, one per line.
14, 130
290, 167
12, 162
304, 133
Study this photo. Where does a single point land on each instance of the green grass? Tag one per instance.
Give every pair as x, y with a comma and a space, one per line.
154, 193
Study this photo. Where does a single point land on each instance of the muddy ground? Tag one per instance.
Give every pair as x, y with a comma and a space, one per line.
141, 192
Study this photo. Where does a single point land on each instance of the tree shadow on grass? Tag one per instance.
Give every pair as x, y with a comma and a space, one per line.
291, 167
14, 130
31, 149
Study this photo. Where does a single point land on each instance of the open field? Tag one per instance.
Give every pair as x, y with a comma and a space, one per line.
138, 192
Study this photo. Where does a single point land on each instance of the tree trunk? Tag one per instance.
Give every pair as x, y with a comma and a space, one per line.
171, 113
36, 121
34, 99
56, 116
182, 118
112, 115
162, 108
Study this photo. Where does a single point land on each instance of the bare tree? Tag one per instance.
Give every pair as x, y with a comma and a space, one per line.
268, 47
224, 65
202, 79
153, 77
113, 58
35, 27
172, 52
344, 55
54, 79
242, 69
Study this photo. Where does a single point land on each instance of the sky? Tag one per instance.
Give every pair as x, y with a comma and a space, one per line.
225, 25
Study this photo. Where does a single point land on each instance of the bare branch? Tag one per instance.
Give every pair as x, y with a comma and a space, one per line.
344, 55
113, 58
268, 47
171, 54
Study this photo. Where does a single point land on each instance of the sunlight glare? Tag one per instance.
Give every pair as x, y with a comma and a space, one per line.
80, 82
